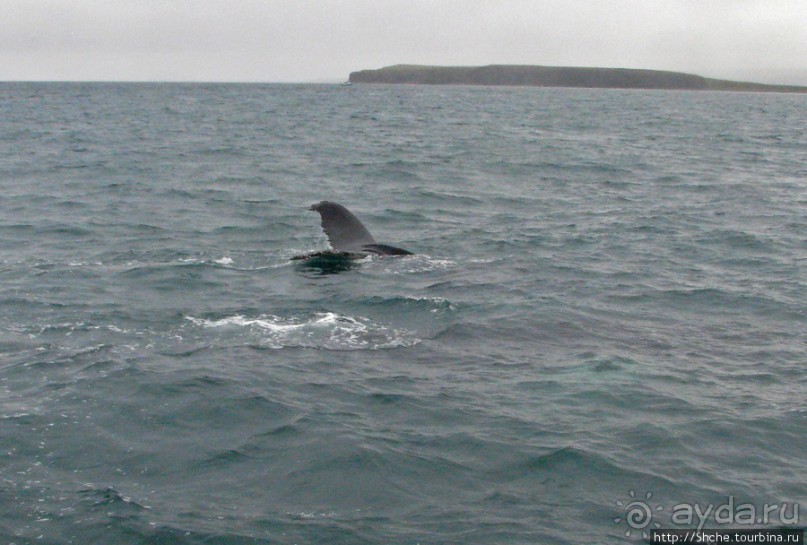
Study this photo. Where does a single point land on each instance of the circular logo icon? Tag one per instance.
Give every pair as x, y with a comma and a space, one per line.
638, 514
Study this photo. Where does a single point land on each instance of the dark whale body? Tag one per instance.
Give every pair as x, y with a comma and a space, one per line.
348, 237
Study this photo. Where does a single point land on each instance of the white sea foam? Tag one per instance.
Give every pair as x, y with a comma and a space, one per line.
326, 330
416, 264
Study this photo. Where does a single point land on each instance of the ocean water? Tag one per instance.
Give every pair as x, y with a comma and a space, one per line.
605, 319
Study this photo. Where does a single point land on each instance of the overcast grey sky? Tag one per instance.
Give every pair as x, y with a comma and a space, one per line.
304, 40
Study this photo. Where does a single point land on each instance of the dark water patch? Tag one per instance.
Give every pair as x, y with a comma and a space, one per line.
735, 239
328, 264
225, 460
388, 398
108, 498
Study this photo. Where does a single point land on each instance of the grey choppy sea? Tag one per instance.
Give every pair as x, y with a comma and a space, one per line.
606, 313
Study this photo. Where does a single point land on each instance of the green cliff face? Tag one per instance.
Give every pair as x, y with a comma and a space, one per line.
547, 76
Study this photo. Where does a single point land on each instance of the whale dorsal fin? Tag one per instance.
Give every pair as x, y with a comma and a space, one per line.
345, 232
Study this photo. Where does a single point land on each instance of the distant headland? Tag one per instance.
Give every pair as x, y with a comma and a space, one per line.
557, 76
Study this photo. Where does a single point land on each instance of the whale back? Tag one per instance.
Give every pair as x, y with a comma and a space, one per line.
345, 232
